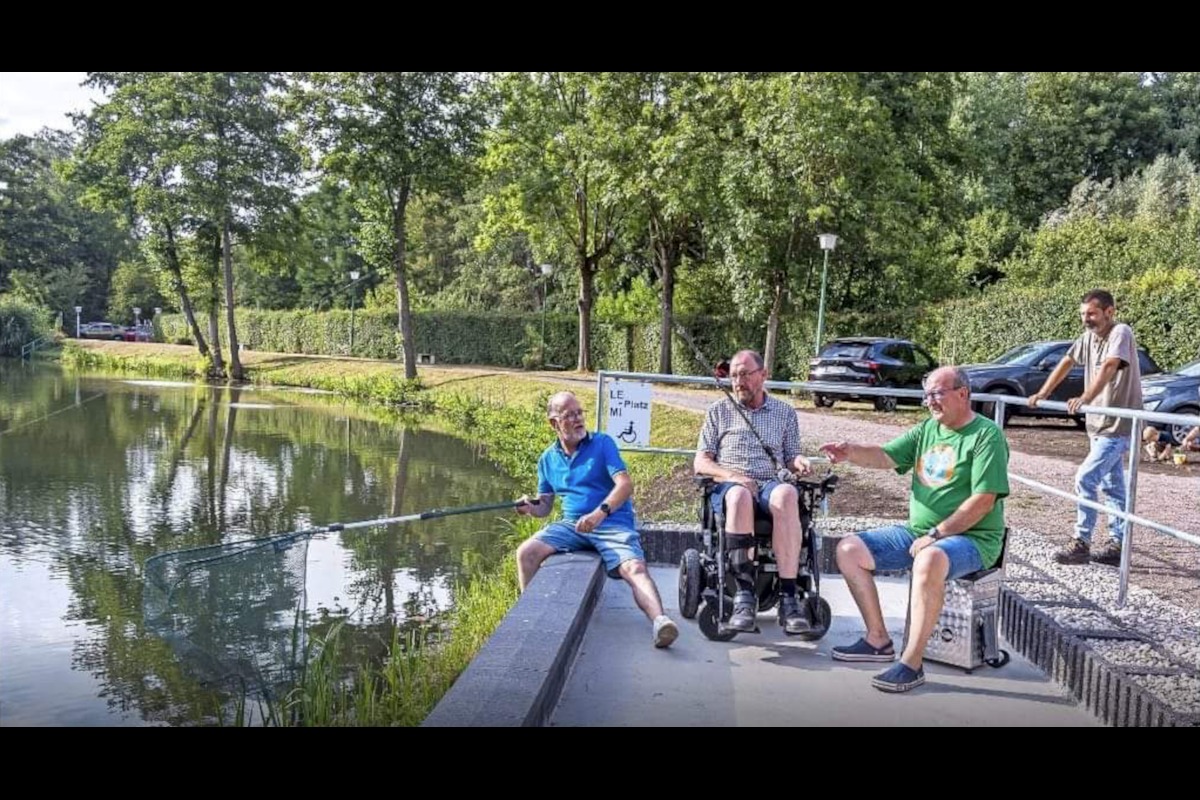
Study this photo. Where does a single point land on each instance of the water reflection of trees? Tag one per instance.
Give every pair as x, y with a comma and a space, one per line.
141, 471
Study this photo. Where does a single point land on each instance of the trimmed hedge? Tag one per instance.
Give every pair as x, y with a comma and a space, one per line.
1162, 306
508, 340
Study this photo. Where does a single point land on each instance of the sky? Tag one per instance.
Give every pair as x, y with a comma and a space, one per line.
30, 101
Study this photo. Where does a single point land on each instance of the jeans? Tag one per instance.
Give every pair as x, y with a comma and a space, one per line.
1104, 468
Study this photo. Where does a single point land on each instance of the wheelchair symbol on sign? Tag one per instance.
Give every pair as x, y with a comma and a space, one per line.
628, 435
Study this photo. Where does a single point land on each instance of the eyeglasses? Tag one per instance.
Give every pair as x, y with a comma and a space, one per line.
937, 394
741, 376
578, 414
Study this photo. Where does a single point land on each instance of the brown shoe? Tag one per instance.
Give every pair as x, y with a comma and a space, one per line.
1075, 552
1111, 554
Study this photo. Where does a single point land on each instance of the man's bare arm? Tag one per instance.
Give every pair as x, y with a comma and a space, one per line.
863, 455
1052, 381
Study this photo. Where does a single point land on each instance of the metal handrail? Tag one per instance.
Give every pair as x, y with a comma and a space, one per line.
28, 348
1139, 416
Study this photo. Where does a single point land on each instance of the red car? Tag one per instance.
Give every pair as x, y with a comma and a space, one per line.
137, 334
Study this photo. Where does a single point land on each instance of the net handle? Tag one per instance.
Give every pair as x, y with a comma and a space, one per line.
237, 548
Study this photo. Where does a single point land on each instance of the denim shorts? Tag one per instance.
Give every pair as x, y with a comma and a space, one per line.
889, 547
762, 499
614, 543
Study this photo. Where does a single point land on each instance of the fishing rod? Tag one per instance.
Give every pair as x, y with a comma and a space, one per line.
194, 556
782, 473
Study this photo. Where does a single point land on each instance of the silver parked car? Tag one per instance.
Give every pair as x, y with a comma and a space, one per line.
102, 330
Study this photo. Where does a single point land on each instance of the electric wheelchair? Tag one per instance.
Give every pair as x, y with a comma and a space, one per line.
705, 571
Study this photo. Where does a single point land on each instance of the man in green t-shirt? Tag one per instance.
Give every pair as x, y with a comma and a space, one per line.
959, 462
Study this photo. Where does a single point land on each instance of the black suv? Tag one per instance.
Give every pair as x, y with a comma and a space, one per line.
1022, 370
873, 362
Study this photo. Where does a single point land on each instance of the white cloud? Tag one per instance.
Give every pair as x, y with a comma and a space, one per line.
30, 101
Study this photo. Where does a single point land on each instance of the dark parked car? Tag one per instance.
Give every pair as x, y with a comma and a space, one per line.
1175, 392
870, 361
1022, 370
102, 330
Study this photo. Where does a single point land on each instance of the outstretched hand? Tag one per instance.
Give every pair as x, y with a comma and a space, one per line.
836, 451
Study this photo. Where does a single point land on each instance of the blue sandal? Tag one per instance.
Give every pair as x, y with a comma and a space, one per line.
864, 651
899, 678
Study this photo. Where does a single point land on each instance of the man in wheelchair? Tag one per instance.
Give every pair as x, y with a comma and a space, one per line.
745, 449
959, 462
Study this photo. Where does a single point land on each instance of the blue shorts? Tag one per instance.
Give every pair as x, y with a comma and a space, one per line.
889, 547
614, 543
762, 499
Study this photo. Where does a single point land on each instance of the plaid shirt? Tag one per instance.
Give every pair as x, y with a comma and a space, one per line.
734, 446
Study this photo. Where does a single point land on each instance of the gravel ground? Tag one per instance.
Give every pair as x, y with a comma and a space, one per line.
1127, 653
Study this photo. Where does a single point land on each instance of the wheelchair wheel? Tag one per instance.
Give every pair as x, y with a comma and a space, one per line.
690, 576
709, 625
819, 614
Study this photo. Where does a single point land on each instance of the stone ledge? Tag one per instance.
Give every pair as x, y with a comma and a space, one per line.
517, 676
1108, 690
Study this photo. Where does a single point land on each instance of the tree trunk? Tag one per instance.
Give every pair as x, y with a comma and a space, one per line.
391, 554
773, 322
235, 396
235, 359
667, 255
400, 236
587, 277
185, 300
214, 330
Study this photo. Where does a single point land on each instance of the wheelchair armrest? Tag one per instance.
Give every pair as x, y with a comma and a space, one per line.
819, 488
703, 482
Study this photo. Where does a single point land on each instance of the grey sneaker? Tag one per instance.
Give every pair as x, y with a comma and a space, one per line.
1075, 552
1111, 554
745, 610
665, 631
791, 615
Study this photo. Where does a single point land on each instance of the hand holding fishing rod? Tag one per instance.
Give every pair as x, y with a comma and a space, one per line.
535, 507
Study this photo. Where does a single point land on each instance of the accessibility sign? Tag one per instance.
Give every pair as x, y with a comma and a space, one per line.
629, 412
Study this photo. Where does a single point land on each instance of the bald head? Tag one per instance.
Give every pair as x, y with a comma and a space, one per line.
955, 375
557, 401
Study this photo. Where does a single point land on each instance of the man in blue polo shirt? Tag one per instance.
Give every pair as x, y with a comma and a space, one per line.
586, 470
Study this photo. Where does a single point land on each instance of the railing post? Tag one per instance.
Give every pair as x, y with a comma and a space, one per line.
1135, 438
998, 413
599, 398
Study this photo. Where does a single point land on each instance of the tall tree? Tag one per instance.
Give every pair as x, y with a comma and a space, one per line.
673, 154
397, 135
53, 251
126, 158
194, 152
558, 161
237, 161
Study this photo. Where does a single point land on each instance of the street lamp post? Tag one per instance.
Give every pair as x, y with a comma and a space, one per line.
353, 298
78, 311
828, 241
546, 270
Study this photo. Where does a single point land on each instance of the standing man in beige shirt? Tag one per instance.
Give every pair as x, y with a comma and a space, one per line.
1112, 378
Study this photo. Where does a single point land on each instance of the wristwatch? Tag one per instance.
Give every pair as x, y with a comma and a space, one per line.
606, 509
934, 533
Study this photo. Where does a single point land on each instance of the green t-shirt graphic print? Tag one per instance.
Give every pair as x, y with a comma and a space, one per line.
948, 467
